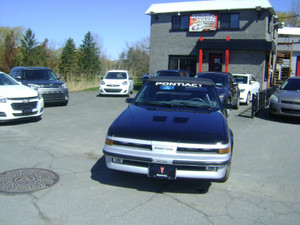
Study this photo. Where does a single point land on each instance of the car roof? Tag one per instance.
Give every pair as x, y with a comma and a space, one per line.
32, 68
214, 73
242, 74
204, 81
295, 78
171, 70
118, 71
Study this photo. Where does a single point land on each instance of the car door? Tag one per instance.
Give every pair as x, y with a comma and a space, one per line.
255, 86
130, 83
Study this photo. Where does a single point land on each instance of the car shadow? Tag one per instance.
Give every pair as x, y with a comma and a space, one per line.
103, 175
265, 115
20, 121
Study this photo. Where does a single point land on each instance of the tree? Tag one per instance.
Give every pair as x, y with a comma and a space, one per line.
29, 49
9, 52
67, 65
136, 58
88, 57
291, 19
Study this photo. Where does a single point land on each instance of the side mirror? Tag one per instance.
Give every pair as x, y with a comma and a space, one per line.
58, 77
227, 106
129, 100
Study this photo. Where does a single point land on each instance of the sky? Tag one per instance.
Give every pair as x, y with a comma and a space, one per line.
113, 23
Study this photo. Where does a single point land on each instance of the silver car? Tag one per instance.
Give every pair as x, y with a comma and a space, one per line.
286, 100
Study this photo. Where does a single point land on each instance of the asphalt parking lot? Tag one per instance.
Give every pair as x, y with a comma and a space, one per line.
263, 187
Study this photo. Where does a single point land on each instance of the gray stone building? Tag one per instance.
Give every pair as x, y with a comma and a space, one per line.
221, 35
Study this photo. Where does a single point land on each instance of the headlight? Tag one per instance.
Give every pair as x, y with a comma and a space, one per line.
64, 86
274, 99
34, 86
242, 90
2, 99
124, 82
222, 96
102, 83
39, 95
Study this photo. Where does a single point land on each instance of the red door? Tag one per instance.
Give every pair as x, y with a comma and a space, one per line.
298, 67
215, 62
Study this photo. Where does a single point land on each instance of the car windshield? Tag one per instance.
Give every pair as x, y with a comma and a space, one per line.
6, 80
115, 75
291, 84
39, 75
175, 94
241, 79
219, 80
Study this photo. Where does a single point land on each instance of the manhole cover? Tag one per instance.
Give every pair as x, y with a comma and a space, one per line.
26, 180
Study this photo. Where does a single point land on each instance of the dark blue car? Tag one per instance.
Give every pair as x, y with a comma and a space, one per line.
45, 81
226, 85
174, 128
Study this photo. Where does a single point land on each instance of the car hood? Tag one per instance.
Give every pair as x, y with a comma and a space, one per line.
288, 95
169, 125
17, 91
43, 82
114, 81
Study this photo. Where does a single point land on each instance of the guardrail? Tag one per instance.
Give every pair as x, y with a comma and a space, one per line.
261, 101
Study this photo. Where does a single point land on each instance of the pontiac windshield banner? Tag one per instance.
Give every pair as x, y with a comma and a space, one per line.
203, 22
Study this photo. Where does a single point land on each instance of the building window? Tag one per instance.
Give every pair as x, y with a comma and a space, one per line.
180, 22
187, 63
230, 21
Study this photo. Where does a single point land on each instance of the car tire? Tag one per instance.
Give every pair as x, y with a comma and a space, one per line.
248, 98
237, 104
64, 103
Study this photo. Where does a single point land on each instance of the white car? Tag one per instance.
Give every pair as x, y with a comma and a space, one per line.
116, 82
248, 86
18, 101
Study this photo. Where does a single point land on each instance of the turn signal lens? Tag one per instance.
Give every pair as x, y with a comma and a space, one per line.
109, 142
224, 150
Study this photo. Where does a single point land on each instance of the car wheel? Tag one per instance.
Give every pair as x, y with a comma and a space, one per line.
237, 104
65, 103
248, 98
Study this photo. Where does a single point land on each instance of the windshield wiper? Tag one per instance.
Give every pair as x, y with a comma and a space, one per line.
155, 103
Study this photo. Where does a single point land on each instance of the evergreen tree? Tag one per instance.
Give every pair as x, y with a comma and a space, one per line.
29, 49
67, 65
88, 57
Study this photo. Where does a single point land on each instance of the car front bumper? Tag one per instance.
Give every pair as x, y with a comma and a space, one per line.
187, 165
54, 95
113, 90
21, 108
285, 108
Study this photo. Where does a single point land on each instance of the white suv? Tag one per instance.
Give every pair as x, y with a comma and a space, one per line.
116, 82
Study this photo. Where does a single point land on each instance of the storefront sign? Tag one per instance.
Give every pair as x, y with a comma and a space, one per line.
203, 22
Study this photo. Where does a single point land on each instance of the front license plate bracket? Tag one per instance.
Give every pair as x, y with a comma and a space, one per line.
162, 171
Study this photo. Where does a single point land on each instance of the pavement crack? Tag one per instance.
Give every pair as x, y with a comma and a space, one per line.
34, 201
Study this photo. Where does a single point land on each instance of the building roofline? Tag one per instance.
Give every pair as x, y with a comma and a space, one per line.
212, 5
